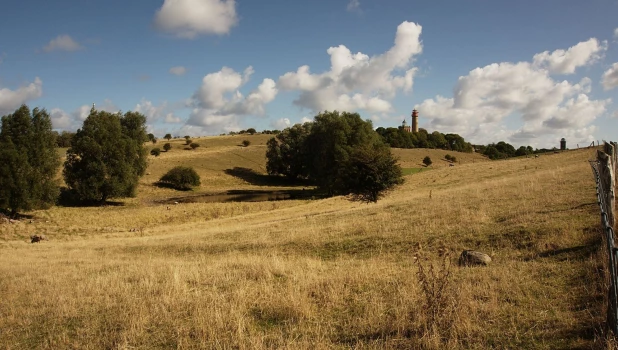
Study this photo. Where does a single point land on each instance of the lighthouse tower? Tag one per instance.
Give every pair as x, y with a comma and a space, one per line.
414, 120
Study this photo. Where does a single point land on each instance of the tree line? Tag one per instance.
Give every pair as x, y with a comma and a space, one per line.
104, 160
399, 138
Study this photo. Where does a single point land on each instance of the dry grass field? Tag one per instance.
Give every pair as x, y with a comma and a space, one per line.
316, 274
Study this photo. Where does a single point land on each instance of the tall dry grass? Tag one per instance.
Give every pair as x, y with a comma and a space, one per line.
321, 274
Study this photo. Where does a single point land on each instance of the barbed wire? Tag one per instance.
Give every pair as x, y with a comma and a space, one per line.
602, 195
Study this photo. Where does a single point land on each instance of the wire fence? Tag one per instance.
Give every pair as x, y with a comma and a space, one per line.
604, 169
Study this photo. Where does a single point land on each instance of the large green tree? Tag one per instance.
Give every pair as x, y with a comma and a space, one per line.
339, 152
28, 160
107, 156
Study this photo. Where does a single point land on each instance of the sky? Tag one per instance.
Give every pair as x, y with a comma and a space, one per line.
524, 72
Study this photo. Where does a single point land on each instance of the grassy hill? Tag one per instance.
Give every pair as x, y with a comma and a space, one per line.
312, 274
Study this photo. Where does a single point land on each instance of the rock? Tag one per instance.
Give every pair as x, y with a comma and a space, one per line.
37, 238
472, 257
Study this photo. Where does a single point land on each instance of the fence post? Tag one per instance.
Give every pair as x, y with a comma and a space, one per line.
607, 176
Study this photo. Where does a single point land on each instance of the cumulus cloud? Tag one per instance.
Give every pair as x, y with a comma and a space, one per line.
281, 124
304, 120
178, 70
62, 43
61, 119
487, 98
357, 81
353, 6
610, 77
190, 18
151, 111
172, 118
218, 103
10, 100
566, 61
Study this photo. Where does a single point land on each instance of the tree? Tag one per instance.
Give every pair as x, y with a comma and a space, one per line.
181, 178
251, 131
371, 172
188, 141
168, 136
167, 147
107, 156
286, 153
339, 152
155, 151
29, 161
427, 161
194, 145
246, 143
152, 138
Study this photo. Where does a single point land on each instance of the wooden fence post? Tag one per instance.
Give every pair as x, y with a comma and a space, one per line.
607, 174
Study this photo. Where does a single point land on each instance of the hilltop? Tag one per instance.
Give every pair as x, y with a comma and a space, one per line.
326, 273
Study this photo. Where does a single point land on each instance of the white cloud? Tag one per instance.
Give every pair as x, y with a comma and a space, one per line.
218, 104
61, 119
62, 43
610, 77
171, 118
10, 100
566, 61
281, 124
615, 114
304, 120
357, 81
152, 112
178, 70
190, 18
616, 33
353, 5
485, 100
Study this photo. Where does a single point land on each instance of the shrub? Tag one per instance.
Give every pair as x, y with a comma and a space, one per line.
188, 141
453, 159
155, 151
167, 147
180, 178
194, 145
246, 143
427, 161
448, 157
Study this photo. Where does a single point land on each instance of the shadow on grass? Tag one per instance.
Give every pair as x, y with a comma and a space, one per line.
68, 198
253, 177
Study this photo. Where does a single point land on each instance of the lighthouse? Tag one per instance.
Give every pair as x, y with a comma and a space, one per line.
414, 120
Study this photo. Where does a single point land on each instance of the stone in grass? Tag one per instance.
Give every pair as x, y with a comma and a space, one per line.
472, 257
37, 238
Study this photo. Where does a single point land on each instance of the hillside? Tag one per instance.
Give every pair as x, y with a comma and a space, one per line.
311, 274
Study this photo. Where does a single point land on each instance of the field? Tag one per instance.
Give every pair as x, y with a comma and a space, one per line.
316, 274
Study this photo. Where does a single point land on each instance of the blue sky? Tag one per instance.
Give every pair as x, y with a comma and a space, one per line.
526, 72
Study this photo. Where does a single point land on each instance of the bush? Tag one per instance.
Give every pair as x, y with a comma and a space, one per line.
194, 145
246, 143
453, 159
155, 151
427, 161
167, 147
188, 141
180, 178
448, 157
